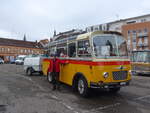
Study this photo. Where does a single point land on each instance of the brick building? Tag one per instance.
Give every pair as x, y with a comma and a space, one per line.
137, 35
10, 48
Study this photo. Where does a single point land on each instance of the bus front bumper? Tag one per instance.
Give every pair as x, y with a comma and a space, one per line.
109, 85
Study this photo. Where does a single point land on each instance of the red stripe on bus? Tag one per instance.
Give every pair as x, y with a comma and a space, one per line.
46, 60
96, 63
100, 63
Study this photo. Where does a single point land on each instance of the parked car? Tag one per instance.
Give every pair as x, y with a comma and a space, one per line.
20, 60
1, 61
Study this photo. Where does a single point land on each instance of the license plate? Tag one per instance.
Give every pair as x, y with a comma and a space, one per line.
122, 83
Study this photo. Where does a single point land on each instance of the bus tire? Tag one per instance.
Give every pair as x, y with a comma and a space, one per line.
49, 77
82, 87
29, 71
114, 90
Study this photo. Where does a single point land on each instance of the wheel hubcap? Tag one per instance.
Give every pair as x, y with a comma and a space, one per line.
81, 86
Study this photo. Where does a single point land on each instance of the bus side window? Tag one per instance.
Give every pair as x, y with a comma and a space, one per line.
62, 52
72, 50
83, 48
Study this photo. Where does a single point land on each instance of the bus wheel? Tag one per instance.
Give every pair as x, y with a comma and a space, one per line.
29, 72
49, 77
83, 87
114, 90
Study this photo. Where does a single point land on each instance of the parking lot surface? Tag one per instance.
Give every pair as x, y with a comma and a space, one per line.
32, 94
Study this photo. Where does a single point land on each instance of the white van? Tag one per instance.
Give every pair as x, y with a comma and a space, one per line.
20, 59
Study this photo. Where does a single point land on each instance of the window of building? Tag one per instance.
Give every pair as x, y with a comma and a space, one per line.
145, 30
29, 51
8, 49
4, 50
140, 43
134, 32
134, 45
17, 50
134, 38
0, 49
146, 41
129, 32
21, 50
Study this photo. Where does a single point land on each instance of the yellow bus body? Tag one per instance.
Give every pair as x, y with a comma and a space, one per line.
92, 73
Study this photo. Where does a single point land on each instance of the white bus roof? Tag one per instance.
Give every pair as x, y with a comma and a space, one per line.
83, 36
87, 35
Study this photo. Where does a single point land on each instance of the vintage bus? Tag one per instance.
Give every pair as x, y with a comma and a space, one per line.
95, 60
141, 62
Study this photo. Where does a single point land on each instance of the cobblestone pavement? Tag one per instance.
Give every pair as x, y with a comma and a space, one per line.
23, 94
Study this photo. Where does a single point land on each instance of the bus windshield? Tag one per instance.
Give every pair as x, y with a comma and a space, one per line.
109, 46
141, 56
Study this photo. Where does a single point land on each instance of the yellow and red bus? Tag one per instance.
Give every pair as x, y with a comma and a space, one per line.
95, 60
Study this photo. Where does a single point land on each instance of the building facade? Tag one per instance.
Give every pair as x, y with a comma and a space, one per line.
11, 48
137, 35
117, 25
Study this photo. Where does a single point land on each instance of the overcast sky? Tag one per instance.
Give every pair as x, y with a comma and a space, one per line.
38, 18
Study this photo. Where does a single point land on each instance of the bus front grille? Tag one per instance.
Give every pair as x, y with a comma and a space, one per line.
120, 75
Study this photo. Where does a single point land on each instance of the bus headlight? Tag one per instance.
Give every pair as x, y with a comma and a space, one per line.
130, 72
105, 74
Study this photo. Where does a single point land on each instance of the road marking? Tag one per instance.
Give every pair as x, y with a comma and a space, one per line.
54, 97
102, 108
143, 99
140, 98
67, 106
